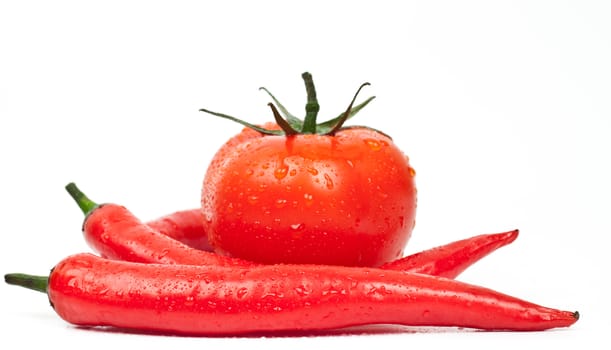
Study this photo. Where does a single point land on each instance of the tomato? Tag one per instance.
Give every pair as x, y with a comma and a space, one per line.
341, 198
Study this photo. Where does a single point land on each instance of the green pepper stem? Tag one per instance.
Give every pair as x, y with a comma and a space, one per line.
312, 106
37, 283
86, 204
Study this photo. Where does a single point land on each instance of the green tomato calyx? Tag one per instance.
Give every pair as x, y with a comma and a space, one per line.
291, 125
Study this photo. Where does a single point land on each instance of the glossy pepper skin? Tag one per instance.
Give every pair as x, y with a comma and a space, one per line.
91, 291
116, 233
184, 226
451, 259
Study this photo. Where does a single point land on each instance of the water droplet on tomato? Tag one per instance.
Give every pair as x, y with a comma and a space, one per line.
293, 172
308, 198
328, 182
312, 171
412, 172
297, 227
252, 199
280, 203
281, 171
374, 144
249, 172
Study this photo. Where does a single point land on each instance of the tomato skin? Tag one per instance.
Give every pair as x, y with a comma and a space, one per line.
347, 199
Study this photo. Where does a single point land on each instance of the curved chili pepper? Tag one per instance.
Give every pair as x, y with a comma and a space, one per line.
114, 232
450, 260
137, 241
184, 226
206, 300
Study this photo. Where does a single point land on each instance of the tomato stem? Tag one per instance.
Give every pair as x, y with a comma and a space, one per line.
312, 107
86, 204
295, 122
246, 124
291, 125
346, 115
282, 123
37, 283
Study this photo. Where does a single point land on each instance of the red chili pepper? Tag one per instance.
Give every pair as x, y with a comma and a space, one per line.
184, 226
206, 300
137, 241
452, 259
114, 232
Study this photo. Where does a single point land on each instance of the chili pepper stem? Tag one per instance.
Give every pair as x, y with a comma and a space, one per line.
86, 204
37, 283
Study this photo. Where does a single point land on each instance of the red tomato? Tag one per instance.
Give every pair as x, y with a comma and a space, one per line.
344, 199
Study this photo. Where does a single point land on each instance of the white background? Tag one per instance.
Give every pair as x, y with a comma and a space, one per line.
503, 107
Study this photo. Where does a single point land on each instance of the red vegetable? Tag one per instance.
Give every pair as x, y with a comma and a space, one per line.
302, 192
91, 291
114, 232
452, 259
184, 226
